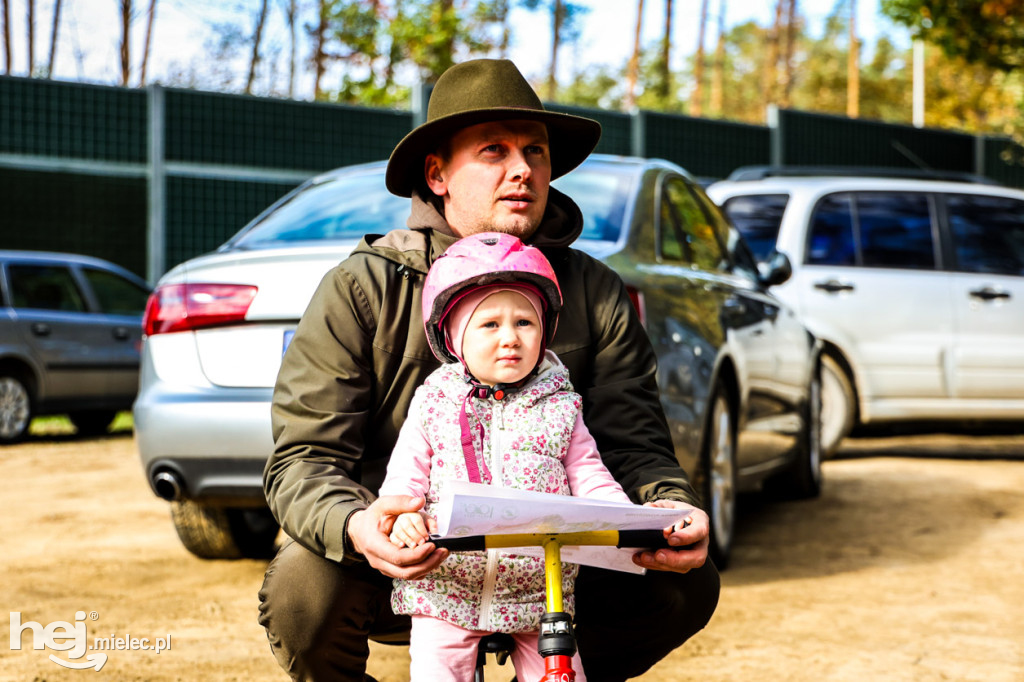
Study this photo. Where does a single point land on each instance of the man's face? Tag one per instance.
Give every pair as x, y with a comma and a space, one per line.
495, 179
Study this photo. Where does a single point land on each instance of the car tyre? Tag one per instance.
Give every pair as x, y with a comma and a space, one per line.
838, 405
15, 408
803, 478
92, 422
719, 489
224, 533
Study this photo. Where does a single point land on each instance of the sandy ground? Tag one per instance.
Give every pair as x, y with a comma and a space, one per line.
909, 567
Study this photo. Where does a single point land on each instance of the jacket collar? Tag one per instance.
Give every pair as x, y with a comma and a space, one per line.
561, 225
429, 234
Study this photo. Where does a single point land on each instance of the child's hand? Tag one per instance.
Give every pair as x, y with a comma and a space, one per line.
412, 529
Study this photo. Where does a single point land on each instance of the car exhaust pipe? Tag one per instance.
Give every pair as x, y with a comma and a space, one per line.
168, 486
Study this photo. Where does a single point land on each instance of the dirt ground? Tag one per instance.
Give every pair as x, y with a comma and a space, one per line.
909, 567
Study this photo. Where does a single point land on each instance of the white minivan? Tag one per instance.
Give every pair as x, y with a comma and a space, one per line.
915, 285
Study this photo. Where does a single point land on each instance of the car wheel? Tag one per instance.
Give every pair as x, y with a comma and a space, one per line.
838, 405
224, 533
719, 480
802, 479
92, 422
15, 409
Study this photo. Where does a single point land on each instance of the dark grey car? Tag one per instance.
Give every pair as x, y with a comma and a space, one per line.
70, 335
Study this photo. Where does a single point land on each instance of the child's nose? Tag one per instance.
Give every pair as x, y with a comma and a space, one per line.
509, 336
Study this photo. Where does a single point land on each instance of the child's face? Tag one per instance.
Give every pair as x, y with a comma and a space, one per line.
503, 339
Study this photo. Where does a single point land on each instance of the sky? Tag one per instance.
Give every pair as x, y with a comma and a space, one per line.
89, 33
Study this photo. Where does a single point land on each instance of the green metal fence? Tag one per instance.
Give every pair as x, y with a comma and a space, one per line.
150, 178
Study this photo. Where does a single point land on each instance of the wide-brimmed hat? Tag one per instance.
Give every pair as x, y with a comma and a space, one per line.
480, 91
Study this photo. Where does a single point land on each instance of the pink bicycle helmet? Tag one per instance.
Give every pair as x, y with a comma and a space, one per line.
479, 260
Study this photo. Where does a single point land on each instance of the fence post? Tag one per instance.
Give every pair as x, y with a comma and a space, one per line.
775, 141
979, 154
156, 233
420, 98
638, 133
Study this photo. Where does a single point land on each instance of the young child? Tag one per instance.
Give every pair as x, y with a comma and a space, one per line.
501, 411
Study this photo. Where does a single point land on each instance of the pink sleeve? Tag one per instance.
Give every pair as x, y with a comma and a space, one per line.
409, 466
588, 476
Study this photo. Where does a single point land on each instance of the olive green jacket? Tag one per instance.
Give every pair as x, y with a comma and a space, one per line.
359, 353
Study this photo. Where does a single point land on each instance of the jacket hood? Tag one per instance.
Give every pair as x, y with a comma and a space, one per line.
561, 224
429, 234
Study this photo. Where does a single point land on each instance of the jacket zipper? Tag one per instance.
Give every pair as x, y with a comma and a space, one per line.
497, 476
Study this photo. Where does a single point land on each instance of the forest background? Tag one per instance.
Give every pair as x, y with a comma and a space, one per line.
812, 55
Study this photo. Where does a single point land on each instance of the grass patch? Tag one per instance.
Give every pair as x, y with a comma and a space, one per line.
60, 425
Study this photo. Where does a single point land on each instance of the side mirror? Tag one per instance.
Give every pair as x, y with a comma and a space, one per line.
776, 270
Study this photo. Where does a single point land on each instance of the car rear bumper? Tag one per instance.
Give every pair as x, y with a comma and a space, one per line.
215, 440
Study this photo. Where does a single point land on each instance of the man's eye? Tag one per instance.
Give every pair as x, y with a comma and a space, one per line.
536, 149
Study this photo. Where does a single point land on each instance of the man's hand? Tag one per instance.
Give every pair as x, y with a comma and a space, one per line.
691, 529
368, 532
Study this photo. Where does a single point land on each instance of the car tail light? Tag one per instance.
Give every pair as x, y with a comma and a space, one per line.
180, 307
637, 298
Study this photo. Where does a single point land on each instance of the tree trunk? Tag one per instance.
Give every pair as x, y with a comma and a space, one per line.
257, 38
697, 98
53, 38
787, 89
319, 53
145, 46
31, 28
126, 23
291, 13
665, 85
634, 61
557, 15
852, 67
718, 66
7, 35
769, 74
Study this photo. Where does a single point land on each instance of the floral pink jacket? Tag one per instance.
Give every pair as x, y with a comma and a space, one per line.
534, 439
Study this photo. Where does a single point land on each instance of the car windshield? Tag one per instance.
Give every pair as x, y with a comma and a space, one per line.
347, 207
602, 192
340, 208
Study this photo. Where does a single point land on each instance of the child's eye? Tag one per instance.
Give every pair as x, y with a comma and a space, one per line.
525, 322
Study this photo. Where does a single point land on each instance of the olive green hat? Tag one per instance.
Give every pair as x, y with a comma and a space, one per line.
479, 91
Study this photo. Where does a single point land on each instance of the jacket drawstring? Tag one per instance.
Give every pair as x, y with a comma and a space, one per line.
468, 451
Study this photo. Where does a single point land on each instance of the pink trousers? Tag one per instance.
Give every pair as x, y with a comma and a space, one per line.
442, 652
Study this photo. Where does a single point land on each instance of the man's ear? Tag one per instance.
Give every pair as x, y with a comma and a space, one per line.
432, 172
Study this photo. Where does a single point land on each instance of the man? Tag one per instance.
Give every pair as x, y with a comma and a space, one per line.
483, 161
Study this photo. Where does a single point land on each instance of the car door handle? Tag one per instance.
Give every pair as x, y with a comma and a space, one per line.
40, 329
833, 286
120, 333
989, 294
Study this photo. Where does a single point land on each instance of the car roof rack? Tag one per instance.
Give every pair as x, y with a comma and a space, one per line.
747, 173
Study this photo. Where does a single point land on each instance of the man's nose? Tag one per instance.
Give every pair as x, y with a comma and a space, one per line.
519, 167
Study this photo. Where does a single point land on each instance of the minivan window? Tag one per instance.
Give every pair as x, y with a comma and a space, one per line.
831, 240
757, 217
44, 287
873, 229
987, 233
895, 230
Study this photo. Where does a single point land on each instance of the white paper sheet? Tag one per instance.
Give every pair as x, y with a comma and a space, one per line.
476, 509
